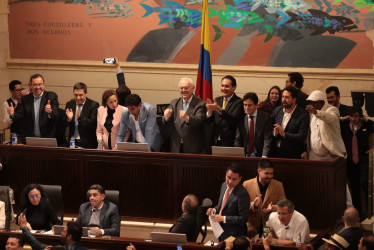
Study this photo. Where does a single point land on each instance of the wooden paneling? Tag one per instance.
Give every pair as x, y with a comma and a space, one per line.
152, 185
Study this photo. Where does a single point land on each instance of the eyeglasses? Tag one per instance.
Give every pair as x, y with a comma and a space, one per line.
34, 197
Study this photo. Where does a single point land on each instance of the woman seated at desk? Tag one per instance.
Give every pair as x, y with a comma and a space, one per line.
35, 206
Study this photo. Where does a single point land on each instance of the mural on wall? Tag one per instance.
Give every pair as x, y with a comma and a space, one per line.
280, 33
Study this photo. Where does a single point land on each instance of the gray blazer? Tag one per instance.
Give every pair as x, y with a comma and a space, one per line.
263, 133
192, 132
110, 221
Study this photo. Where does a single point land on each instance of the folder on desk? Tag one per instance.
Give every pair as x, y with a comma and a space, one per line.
132, 146
168, 237
231, 151
37, 141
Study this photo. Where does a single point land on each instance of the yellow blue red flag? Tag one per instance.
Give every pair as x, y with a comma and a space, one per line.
204, 76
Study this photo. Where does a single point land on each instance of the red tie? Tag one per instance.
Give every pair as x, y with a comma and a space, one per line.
225, 197
354, 148
251, 136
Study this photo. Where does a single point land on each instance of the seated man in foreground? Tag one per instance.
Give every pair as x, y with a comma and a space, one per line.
70, 236
289, 227
101, 215
14, 242
186, 223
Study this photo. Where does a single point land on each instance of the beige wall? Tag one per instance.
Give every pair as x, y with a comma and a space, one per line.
157, 83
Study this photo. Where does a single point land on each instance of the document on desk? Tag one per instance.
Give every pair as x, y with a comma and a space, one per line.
216, 227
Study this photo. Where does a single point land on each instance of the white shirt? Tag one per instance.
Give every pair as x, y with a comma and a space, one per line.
254, 123
297, 230
286, 119
316, 145
138, 133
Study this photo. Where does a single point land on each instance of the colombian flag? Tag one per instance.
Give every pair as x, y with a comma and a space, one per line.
204, 75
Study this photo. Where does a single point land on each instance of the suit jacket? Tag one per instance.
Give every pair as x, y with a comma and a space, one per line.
344, 110
296, 131
329, 125
147, 124
352, 235
87, 122
236, 211
274, 193
24, 114
362, 139
101, 131
226, 121
191, 132
186, 224
301, 99
263, 133
110, 221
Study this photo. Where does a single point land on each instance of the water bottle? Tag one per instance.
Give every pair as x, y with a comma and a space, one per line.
14, 139
100, 144
72, 142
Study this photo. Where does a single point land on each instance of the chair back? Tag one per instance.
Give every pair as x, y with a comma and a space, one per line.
201, 219
111, 196
5, 197
54, 193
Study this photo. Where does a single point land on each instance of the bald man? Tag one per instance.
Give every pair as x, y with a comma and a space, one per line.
351, 232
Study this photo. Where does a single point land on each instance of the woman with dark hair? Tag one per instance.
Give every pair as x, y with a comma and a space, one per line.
273, 100
35, 206
108, 120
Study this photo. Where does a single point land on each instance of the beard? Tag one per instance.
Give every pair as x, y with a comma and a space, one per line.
286, 105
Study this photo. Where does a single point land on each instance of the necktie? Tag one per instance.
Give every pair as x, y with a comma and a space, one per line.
225, 197
185, 105
76, 132
354, 148
251, 136
224, 103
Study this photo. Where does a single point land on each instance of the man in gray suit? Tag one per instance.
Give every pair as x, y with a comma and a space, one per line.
101, 215
140, 120
254, 129
185, 117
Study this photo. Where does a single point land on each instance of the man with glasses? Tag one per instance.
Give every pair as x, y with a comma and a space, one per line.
296, 80
16, 91
184, 119
38, 111
288, 226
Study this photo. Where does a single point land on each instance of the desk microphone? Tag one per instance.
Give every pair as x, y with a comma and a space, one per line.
153, 227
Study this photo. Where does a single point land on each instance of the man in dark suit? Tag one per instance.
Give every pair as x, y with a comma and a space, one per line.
38, 111
233, 204
291, 126
186, 223
103, 215
257, 139
81, 115
224, 114
296, 80
351, 232
333, 98
185, 120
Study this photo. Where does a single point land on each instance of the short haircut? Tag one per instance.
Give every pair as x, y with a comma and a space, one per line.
333, 88
287, 203
251, 96
122, 92
80, 85
97, 187
368, 241
191, 203
265, 163
75, 230
12, 84
292, 90
19, 238
133, 100
189, 80
298, 78
240, 243
355, 109
351, 217
34, 76
231, 78
107, 93
235, 168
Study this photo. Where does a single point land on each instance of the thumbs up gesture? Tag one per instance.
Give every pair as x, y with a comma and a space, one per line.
48, 108
11, 109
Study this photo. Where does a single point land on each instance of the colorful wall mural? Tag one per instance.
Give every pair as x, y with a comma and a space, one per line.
278, 33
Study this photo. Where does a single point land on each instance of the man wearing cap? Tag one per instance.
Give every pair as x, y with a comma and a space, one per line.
324, 140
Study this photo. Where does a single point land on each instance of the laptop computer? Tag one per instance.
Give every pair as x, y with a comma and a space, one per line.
168, 237
57, 229
37, 141
132, 146
231, 151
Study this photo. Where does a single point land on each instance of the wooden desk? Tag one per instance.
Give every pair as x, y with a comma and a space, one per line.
152, 185
114, 243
